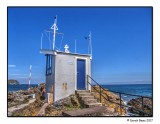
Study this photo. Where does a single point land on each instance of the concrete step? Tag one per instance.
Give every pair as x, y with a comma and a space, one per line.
93, 93
88, 101
86, 97
84, 94
90, 105
82, 91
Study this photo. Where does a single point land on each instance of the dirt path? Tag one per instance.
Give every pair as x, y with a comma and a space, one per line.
42, 110
15, 108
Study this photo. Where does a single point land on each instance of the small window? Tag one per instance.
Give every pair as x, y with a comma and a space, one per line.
48, 64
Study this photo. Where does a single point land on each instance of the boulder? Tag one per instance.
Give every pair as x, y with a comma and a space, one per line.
137, 104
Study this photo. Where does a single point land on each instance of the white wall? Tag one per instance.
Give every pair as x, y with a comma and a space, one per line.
66, 72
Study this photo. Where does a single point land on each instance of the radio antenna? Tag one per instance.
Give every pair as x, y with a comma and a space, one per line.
54, 28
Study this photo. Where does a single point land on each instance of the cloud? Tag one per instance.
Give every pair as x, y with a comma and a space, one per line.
11, 65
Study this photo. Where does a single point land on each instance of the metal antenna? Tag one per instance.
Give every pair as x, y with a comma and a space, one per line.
90, 43
54, 28
41, 40
75, 46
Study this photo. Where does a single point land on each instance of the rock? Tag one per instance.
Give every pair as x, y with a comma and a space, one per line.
69, 103
13, 82
23, 96
16, 98
137, 104
74, 101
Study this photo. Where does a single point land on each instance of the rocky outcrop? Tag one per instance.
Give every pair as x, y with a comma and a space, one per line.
13, 82
22, 97
137, 104
17, 98
69, 103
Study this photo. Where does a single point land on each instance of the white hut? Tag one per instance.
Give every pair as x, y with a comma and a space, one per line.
66, 72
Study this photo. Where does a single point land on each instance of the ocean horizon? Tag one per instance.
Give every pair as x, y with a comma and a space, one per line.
136, 89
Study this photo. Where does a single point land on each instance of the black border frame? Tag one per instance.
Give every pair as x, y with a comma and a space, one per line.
82, 7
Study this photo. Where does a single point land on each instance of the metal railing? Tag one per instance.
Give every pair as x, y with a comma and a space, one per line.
142, 112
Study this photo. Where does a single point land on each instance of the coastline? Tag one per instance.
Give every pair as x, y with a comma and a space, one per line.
39, 103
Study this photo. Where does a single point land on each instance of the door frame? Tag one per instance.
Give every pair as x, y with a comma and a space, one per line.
82, 58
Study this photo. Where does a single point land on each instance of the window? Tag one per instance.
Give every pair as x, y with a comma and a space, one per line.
48, 64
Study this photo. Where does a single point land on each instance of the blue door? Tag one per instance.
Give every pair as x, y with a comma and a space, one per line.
80, 74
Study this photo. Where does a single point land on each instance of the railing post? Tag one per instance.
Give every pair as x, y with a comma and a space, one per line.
100, 94
120, 103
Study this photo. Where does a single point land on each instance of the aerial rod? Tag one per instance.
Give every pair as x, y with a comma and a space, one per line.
54, 28
89, 44
75, 45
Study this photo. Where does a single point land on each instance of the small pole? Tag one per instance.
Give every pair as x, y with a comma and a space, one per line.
75, 46
41, 40
90, 43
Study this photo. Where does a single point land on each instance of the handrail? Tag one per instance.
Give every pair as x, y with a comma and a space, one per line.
120, 95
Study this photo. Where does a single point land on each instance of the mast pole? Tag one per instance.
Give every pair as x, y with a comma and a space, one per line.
75, 46
54, 27
90, 43
41, 40
54, 35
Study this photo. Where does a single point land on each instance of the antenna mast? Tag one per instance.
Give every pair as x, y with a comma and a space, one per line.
41, 40
54, 28
90, 44
75, 46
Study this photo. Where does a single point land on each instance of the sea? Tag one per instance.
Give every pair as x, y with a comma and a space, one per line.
20, 87
136, 89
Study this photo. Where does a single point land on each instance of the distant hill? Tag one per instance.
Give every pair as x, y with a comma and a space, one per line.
13, 82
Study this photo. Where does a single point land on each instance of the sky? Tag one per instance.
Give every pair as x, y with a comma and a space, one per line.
121, 41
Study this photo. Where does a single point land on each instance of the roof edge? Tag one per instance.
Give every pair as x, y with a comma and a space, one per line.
55, 52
